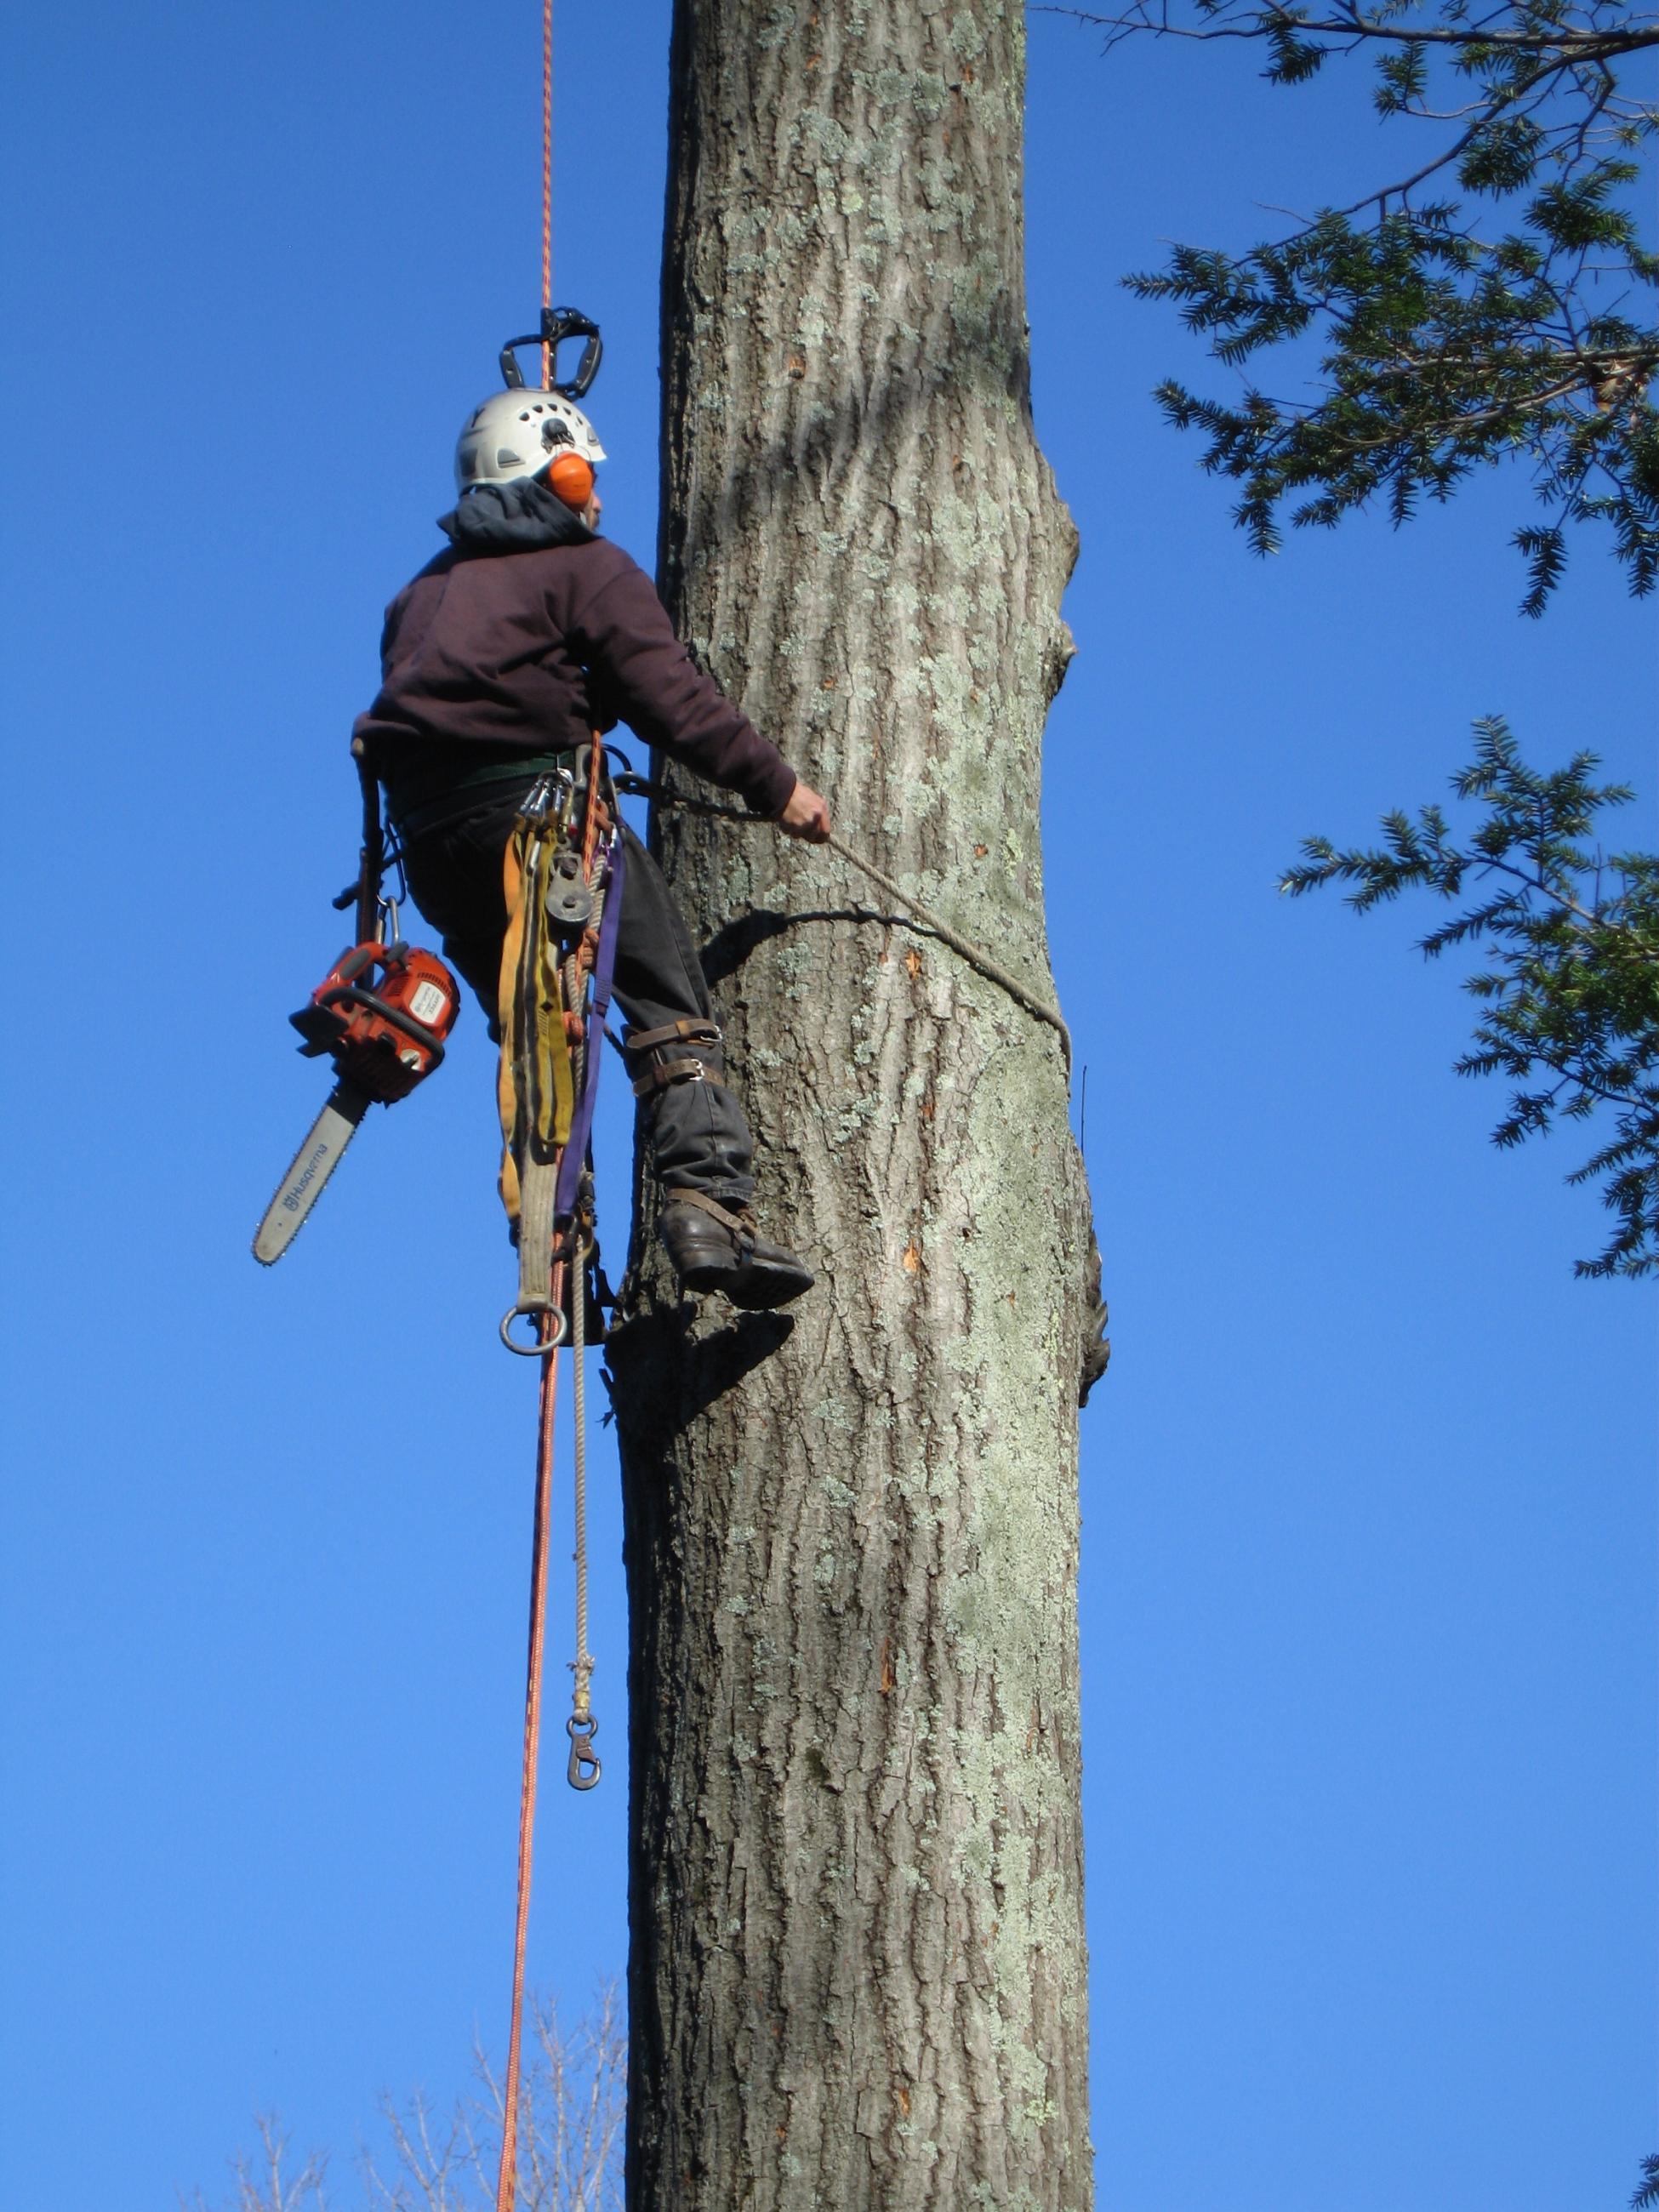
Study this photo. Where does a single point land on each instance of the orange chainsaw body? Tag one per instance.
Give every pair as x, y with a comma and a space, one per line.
384, 1035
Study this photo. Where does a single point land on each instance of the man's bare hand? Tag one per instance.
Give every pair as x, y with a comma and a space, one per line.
806, 816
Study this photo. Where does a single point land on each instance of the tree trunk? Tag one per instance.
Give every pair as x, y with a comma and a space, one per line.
858, 1971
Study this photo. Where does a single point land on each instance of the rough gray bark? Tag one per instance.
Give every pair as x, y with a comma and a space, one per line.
858, 1967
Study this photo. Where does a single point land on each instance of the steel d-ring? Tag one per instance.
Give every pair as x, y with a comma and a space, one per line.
543, 1345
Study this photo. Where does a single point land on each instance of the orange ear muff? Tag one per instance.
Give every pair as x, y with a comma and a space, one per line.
572, 478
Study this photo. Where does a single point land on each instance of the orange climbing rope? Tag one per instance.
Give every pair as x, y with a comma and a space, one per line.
547, 179
506, 2185
571, 1266
548, 1330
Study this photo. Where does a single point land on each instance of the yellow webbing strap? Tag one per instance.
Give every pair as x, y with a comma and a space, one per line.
535, 1087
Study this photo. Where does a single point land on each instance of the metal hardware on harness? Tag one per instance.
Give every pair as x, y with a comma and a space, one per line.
551, 792
668, 1071
645, 1044
541, 1315
568, 901
683, 1031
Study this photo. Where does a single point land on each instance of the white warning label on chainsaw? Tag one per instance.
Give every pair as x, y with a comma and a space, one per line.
428, 1001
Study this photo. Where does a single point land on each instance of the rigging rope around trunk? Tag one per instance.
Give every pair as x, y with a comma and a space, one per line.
640, 786
974, 955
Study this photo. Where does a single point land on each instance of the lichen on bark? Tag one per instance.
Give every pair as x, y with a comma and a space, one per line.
858, 1970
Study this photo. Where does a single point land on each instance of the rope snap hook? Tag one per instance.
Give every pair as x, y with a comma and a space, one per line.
583, 1770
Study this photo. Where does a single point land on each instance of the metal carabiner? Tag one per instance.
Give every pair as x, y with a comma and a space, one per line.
583, 1770
537, 799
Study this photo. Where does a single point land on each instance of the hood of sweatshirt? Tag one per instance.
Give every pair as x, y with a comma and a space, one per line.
520, 517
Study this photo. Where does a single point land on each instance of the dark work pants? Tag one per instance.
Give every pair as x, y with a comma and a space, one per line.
699, 1138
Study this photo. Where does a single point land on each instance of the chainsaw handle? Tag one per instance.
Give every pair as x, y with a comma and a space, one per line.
354, 994
370, 953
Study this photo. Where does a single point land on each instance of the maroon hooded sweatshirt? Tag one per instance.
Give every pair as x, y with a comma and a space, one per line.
529, 632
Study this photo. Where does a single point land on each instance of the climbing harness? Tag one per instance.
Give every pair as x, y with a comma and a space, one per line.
640, 786
562, 885
381, 1013
562, 879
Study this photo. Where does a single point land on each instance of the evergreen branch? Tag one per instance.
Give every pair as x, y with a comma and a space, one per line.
1578, 46
1573, 993
1444, 348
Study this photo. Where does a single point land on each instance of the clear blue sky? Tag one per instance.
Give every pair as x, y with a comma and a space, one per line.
1369, 1500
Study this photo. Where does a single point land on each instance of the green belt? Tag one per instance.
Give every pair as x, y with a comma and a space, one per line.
427, 792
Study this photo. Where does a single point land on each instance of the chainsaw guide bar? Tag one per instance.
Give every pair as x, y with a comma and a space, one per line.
384, 1039
314, 1163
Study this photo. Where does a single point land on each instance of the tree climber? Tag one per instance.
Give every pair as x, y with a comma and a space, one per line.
498, 659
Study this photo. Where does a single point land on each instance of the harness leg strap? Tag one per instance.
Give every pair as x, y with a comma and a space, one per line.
662, 1073
702, 1055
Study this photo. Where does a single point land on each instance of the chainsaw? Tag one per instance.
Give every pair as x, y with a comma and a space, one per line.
383, 1036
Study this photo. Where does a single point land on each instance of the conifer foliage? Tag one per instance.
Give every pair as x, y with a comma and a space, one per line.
1571, 999
1492, 300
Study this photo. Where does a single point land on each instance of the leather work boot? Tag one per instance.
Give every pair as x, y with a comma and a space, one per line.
713, 1249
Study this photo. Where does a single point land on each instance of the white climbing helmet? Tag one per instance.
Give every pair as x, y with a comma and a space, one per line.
517, 432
